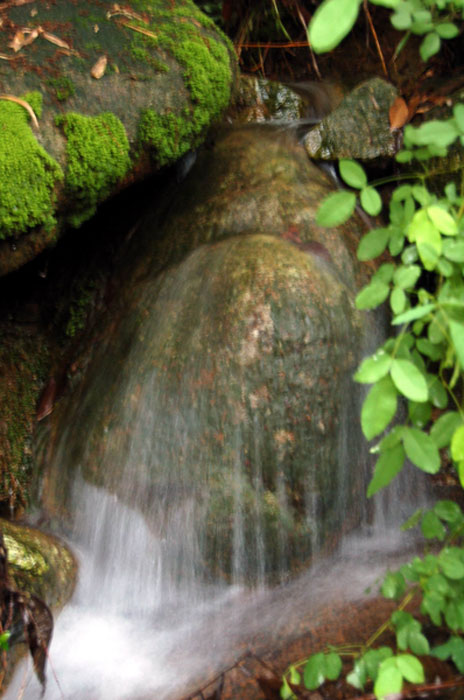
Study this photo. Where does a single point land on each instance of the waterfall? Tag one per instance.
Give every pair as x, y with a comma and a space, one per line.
212, 453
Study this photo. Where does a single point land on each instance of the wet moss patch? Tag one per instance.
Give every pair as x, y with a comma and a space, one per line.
28, 174
97, 159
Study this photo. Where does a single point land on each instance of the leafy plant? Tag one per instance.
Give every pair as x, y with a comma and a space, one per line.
420, 366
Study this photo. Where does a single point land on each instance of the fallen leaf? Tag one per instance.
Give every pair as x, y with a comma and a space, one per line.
56, 40
23, 37
99, 68
125, 12
398, 114
96, 28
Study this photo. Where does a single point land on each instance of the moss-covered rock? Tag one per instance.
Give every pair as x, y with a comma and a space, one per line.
359, 127
39, 564
164, 75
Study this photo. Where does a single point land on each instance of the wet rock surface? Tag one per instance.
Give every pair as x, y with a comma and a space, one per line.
359, 127
223, 375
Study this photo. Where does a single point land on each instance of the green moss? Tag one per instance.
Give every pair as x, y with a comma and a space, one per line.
140, 53
79, 307
28, 175
24, 362
63, 88
97, 152
207, 74
25, 558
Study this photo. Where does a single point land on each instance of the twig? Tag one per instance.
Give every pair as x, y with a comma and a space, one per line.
313, 57
376, 38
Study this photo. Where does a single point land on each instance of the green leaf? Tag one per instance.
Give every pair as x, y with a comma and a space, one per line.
418, 643
458, 111
389, 464
295, 678
373, 244
446, 30
389, 680
451, 563
286, 693
406, 276
435, 352
401, 19
420, 413
457, 444
433, 605
411, 668
393, 585
457, 336
454, 649
442, 220
4, 640
437, 392
439, 132
379, 408
454, 250
428, 242
372, 296
444, 427
429, 46
409, 380
432, 527
413, 314
449, 511
386, 3
337, 207
412, 521
332, 666
373, 368
421, 450
352, 173
331, 23
313, 674
397, 300
371, 201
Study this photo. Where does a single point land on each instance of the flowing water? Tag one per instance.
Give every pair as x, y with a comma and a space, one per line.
160, 604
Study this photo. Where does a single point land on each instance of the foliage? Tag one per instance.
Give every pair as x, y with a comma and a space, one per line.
420, 366
334, 19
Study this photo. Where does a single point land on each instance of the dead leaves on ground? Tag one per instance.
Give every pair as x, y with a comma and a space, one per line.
26, 36
401, 112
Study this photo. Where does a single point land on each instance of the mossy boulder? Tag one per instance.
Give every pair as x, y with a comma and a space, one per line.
39, 564
217, 400
359, 127
95, 96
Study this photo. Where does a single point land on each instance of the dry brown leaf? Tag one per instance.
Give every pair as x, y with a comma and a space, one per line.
125, 12
23, 103
140, 30
14, 3
24, 37
99, 68
398, 114
56, 40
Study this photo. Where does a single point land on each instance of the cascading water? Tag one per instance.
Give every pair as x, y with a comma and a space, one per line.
214, 449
